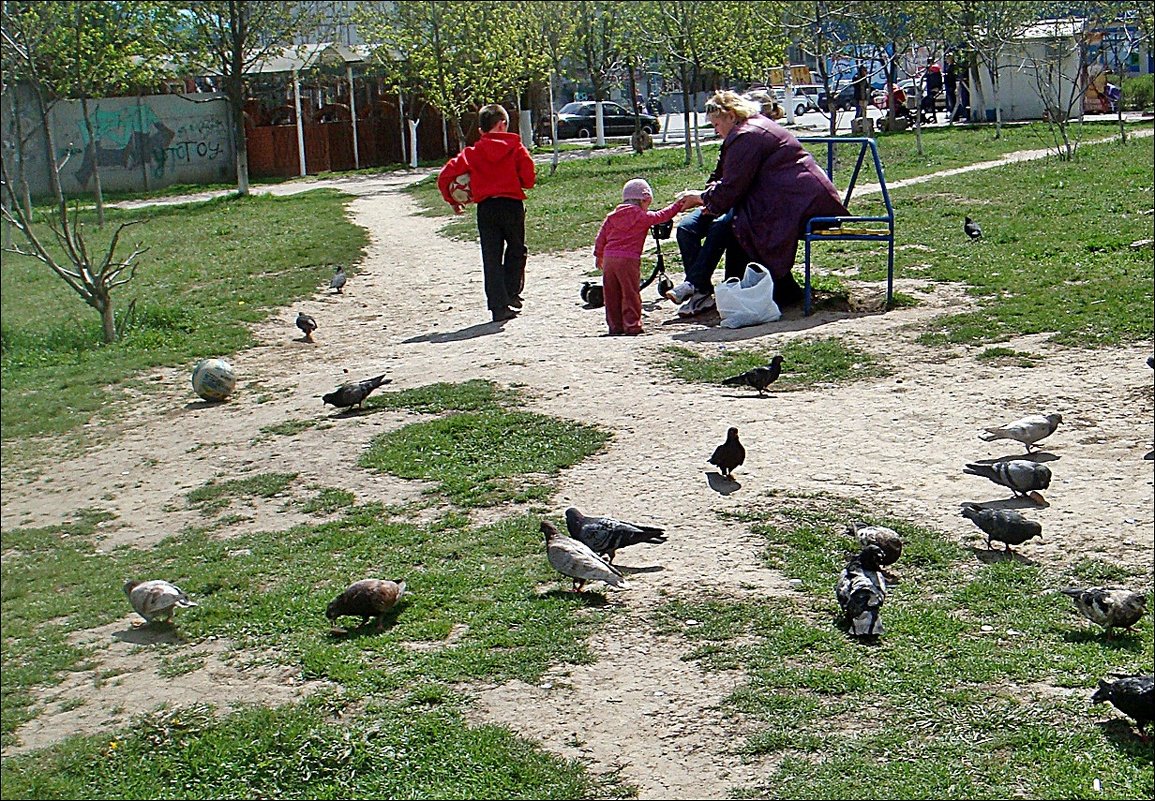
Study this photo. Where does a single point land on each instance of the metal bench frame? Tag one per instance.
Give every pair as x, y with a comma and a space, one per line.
825, 229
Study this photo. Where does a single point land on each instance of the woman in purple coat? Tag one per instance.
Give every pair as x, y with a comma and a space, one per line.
774, 186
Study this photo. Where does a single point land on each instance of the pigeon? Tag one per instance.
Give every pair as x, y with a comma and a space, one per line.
1020, 475
886, 539
1005, 525
759, 377
729, 454
1109, 606
1027, 430
1132, 695
861, 590
1151, 362
354, 394
365, 599
575, 559
605, 535
337, 282
593, 295
306, 324
156, 600
664, 284
972, 229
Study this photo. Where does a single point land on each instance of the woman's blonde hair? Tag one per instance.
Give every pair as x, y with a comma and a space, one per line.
740, 107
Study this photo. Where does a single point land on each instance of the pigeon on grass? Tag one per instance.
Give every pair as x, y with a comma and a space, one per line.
365, 599
1110, 607
759, 378
1004, 525
354, 394
156, 600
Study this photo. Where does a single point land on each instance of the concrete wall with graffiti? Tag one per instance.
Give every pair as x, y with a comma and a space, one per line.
142, 143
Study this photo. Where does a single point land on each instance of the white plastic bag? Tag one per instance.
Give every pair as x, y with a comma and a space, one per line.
749, 301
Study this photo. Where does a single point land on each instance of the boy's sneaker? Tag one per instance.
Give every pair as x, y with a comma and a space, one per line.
699, 302
682, 292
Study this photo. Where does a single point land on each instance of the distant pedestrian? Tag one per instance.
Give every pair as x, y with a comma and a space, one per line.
500, 170
950, 81
618, 251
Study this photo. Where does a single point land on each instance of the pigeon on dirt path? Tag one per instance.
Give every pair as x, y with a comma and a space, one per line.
759, 378
307, 324
972, 229
1133, 695
861, 590
1027, 430
337, 282
156, 600
1021, 476
605, 535
365, 599
730, 454
573, 558
1109, 606
1005, 525
354, 394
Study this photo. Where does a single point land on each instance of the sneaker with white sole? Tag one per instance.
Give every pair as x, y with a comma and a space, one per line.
682, 292
698, 303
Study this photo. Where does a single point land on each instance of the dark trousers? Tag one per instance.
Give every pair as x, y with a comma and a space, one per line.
702, 241
501, 229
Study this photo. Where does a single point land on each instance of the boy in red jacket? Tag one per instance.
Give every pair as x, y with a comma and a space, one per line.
618, 251
500, 170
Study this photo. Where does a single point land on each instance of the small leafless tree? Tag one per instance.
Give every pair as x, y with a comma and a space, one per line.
93, 276
1057, 85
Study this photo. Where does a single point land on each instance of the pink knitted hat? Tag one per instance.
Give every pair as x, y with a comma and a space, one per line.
637, 189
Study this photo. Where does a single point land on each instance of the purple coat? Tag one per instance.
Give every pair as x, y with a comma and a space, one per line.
774, 186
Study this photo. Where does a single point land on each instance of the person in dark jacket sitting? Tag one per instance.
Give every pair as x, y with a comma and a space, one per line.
773, 185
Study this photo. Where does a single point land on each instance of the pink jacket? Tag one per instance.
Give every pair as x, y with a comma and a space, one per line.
624, 231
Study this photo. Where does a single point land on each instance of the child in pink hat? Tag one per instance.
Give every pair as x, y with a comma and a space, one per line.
618, 251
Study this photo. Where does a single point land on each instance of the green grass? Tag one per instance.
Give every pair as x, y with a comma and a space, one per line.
948, 710
468, 396
217, 495
212, 269
266, 593
488, 457
805, 363
416, 748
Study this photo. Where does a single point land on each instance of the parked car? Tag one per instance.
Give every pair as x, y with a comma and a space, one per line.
815, 95
800, 101
844, 98
580, 119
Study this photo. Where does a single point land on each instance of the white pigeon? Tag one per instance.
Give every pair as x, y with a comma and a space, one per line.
575, 559
1027, 430
156, 600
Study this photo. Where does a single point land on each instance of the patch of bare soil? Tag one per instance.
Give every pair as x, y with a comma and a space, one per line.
415, 309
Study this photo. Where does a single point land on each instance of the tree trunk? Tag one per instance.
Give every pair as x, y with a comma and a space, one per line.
686, 113
93, 154
236, 91
553, 131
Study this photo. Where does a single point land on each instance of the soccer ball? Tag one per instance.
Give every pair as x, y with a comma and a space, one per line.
460, 190
214, 379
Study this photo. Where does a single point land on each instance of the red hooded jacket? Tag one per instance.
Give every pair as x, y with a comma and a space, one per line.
498, 165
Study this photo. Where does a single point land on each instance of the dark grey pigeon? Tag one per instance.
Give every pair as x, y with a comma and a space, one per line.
1132, 695
593, 295
307, 324
729, 454
1005, 525
1151, 362
972, 229
886, 539
861, 590
759, 377
1109, 606
354, 394
605, 535
337, 282
1019, 475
